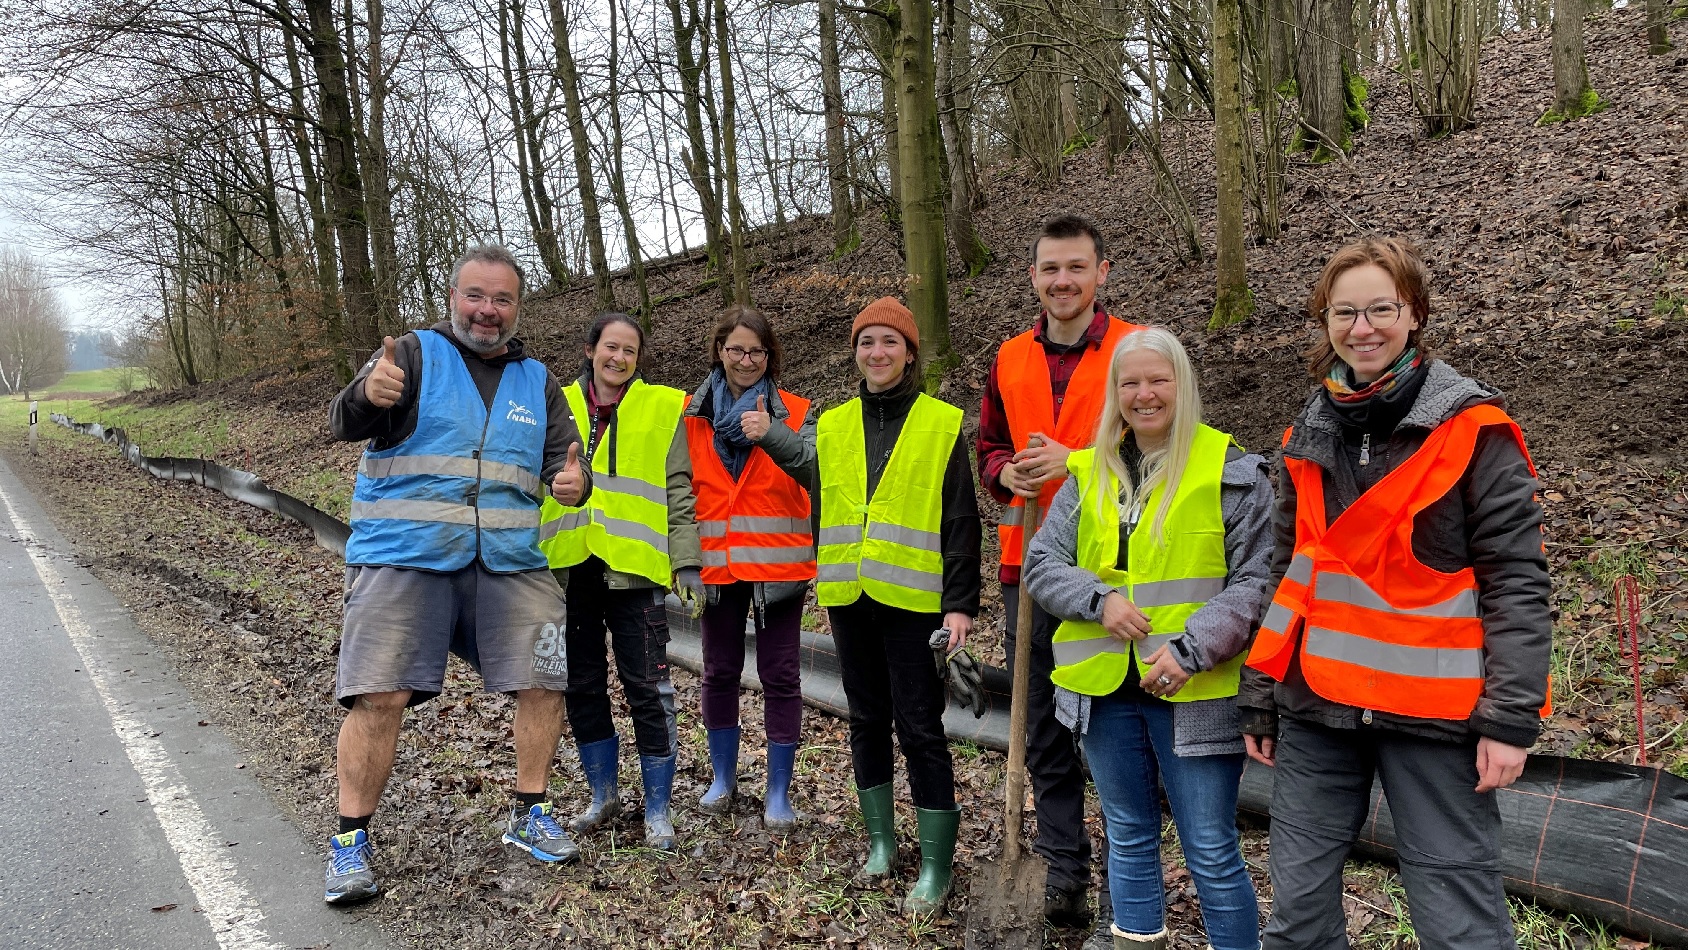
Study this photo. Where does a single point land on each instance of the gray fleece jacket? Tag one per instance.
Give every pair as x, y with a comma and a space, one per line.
1220, 630
1490, 522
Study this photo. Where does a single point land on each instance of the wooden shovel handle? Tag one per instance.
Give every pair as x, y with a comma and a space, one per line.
1014, 819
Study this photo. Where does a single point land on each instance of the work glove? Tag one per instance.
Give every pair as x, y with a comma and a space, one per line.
688, 586
961, 672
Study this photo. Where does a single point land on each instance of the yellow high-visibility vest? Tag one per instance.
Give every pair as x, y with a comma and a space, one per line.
888, 548
1168, 583
625, 520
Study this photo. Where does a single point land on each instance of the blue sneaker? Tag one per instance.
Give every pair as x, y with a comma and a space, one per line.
537, 833
349, 878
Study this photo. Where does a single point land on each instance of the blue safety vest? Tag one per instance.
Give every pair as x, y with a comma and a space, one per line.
466, 483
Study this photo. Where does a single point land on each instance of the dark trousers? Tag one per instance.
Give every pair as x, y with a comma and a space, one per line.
637, 626
1052, 758
777, 662
1448, 836
891, 682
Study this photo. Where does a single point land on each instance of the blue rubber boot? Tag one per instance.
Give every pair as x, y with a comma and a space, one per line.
723, 758
600, 761
658, 772
779, 816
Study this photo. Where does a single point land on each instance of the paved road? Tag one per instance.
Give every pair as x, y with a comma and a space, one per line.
124, 823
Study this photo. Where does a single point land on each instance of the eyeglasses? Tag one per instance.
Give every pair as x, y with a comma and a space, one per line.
1381, 315
500, 302
736, 354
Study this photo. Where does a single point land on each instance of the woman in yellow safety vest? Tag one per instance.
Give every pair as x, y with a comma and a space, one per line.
1408, 637
1154, 556
898, 559
616, 557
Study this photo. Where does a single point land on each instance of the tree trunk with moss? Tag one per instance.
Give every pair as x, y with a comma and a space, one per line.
1233, 303
1325, 30
953, 54
844, 235
1573, 97
920, 160
1658, 38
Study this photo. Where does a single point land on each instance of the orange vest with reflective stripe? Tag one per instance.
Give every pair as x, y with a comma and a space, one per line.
1377, 628
1022, 376
757, 528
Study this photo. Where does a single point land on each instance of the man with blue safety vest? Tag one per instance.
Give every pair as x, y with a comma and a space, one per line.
465, 434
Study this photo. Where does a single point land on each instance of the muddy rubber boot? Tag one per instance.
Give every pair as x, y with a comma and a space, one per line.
880, 817
658, 773
723, 758
778, 816
937, 860
599, 760
1130, 941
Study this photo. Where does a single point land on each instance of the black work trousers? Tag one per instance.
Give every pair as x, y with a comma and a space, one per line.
891, 682
636, 623
1448, 836
1052, 758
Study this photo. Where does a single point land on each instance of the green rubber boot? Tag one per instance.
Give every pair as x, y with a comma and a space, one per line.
937, 858
880, 817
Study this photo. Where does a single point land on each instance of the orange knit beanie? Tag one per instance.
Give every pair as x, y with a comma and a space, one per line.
886, 312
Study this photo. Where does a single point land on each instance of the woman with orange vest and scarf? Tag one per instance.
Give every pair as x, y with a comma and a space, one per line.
1408, 636
749, 441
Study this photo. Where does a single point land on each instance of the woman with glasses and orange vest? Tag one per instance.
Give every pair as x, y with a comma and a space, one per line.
750, 442
1154, 557
1408, 636
898, 560
616, 556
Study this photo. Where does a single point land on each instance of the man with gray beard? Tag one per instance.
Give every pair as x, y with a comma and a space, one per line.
465, 434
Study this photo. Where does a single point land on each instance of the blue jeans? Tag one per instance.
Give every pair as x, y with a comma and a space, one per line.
1128, 743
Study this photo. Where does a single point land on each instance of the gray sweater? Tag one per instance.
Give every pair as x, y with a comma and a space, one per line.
1220, 630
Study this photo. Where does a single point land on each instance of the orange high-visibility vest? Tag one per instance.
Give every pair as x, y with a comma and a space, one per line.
757, 528
1377, 628
1022, 376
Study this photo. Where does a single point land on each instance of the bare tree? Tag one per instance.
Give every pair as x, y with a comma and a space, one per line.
33, 331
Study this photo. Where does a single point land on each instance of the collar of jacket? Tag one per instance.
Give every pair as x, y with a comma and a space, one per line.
1317, 436
703, 400
1093, 334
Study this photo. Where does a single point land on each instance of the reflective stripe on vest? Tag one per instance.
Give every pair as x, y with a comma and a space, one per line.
1169, 582
465, 483
625, 519
757, 527
888, 547
1377, 628
1022, 377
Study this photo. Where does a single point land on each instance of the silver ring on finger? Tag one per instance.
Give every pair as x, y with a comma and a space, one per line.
1165, 680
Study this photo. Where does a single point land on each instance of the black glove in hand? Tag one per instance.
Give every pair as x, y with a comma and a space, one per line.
961, 673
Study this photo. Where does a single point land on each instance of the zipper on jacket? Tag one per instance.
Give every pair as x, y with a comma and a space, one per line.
1365, 449
1365, 716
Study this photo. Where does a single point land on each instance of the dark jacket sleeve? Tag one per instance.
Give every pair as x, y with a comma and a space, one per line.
1255, 699
794, 450
959, 534
561, 431
995, 445
353, 418
1504, 532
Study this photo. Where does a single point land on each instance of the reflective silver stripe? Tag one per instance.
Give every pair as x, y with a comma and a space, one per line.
749, 524
1013, 516
1193, 590
712, 529
1154, 641
634, 531
627, 485
450, 466
1424, 662
911, 537
400, 509
930, 582
714, 559
1070, 652
497, 518
1278, 618
1300, 569
836, 573
568, 522
749, 555
842, 534
1347, 589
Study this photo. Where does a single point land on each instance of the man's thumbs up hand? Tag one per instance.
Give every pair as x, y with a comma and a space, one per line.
385, 383
754, 424
569, 485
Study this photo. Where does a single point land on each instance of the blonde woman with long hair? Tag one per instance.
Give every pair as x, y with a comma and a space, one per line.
1154, 556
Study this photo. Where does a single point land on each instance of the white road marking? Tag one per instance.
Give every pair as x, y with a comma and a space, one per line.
229, 907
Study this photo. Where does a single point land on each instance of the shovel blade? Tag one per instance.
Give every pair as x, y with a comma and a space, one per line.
1005, 906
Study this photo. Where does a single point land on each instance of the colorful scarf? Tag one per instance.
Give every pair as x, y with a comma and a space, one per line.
1342, 391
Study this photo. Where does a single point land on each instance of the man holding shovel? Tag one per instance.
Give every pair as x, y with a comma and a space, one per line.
1042, 398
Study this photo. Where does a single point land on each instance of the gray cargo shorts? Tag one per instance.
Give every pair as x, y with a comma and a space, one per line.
401, 623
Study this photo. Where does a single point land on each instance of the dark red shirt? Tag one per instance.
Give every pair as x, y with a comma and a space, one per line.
995, 447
